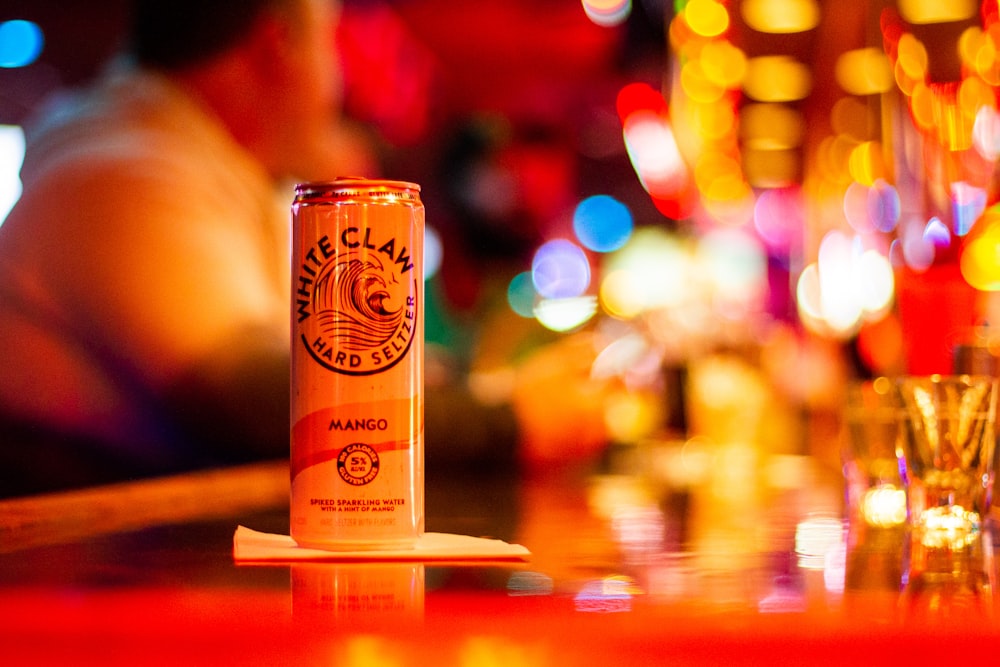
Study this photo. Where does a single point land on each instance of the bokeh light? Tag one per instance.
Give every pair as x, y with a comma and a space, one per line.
911, 63
698, 85
565, 314
653, 149
815, 537
723, 63
876, 283
433, 251
607, 13
986, 133
846, 286
864, 71
560, 270
937, 233
521, 295
11, 157
980, 259
856, 208
734, 263
21, 43
836, 270
884, 206
622, 294
650, 271
780, 16
918, 251
866, 164
937, 11
968, 203
602, 223
771, 126
779, 217
707, 18
655, 156
639, 97
777, 79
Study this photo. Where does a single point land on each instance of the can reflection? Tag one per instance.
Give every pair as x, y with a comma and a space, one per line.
951, 582
877, 558
362, 593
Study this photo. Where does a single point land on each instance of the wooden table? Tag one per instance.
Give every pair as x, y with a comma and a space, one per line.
143, 573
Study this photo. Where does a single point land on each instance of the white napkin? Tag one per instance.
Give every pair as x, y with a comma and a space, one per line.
253, 546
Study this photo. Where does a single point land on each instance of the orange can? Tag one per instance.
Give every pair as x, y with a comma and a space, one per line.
357, 373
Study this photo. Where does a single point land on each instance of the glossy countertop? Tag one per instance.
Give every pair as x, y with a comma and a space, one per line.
622, 571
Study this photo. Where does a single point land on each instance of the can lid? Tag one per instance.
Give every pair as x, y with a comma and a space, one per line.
353, 187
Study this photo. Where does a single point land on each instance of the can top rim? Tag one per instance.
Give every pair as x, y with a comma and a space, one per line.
349, 185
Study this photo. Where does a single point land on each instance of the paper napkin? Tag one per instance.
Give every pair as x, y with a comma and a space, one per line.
251, 546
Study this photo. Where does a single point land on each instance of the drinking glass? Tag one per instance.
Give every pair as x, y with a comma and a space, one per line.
946, 445
874, 488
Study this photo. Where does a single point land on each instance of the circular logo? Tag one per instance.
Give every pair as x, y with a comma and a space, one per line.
363, 317
358, 464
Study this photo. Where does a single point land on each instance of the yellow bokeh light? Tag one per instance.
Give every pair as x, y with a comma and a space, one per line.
937, 11
986, 63
730, 203
697, 85
714, 122
780, 16
629, 417
911, 57
922, 105
974, 94
864, 71
691, 50
680, 33
723, 63
777, 79
657, 268
622, 294
970, 42
771, 126
772, 168
714, 166
884, 507
490, 651
833, 156
866, 164
853, 118
980, 261
953, 126
370, 650
904, 81
707, 18
728, 187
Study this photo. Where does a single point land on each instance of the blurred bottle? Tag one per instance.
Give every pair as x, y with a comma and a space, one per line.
974, 359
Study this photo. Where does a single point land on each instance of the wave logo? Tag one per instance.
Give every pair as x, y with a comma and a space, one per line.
363, 319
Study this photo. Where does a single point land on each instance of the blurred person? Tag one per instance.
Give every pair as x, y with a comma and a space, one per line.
144, 272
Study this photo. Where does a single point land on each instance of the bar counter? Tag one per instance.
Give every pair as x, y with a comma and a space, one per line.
143, 573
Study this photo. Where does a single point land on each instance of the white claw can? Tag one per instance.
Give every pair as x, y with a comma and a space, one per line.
357, 371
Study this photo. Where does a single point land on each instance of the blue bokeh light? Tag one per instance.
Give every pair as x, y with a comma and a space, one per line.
936, 232
560, 270
968, 203
602, 223
884, 207
21, 43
